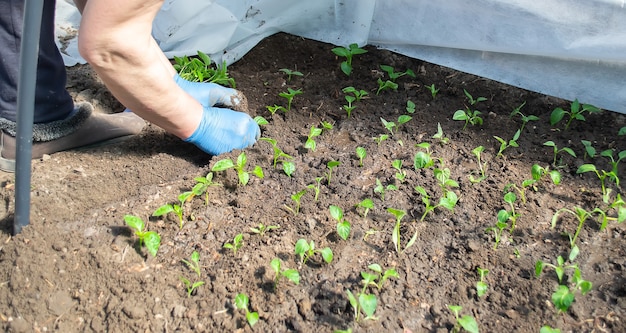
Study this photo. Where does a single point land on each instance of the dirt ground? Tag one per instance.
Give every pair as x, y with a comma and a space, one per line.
77, 267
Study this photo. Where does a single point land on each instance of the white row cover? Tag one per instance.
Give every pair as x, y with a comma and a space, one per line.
564, 48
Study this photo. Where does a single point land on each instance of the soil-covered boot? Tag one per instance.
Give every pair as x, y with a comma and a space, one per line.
84, 128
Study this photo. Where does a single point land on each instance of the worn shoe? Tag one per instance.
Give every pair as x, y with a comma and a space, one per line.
92, 128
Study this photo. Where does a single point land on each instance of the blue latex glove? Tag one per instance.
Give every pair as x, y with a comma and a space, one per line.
223, 130
211, 94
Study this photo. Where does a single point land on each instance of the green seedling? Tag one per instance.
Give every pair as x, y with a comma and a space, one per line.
602, 175
361, 153
279, 155
581, 215
366, 205
240, 167
622, 131
194, 264
331, 165
241, 303
326, 125
482, 166
378, 279
348, 53
501, 224
589, 150
289, 168
151, 239
386, 85
235, 245
289, 95
391, 126
261, 229
291, 274
525, 119
466, 322
504, 144
510, 215
306, 250
439, 135
202, 186
423, 159
290, 73
393, 75
261, 121
200, 70
575, 113
274, 108
358, 94
175, 208
448, 201
410, 107
310, 140
365, 303
563, 297
481, 285
395, 236
381, 190
556, 151
548, 329
381, 138
443, 177
316, 186
613, 162
433, 91
343, 226
537, 172
349, 108
400, 174
469, 115
296, 197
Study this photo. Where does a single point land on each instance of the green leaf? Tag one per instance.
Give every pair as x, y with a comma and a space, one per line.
481, 288
244, 178
261, 121
336, 212
343, 229
562, 298
459, 115
152, 240
252, 318
469, 323
258, 171
503, 216
586, 168
241, 301
548, 329
134, 222
301, 247
368, 304
395, 237
275, 264
341, 51
346, 68
163, 210
222, 165
555, 176
327, 255
556, 116
289, 168
539, 268
292, 274
422, 160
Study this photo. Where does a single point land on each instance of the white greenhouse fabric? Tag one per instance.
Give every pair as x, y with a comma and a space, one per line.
565, 48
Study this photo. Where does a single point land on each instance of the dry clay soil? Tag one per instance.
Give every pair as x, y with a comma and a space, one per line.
77, 267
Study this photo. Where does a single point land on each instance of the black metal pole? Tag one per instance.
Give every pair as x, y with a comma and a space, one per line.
29, 54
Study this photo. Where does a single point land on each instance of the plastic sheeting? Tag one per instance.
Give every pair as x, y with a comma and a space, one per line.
568, 49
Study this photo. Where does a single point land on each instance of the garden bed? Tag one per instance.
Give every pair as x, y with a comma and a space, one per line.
77, 267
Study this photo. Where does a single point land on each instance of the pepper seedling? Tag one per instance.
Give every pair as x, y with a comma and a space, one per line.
400, 174
310, 140
433, 90
481, 285
395, 236
306, 250
509, 198
482, 166
290, 73
331, 165
366, 204
410, 107
467, 322
348, 53
175, 208
556, 151
202, 186
448, 201
194, 264
563, 297
504, 144
381, 190
343, 226
381, 138
349, 108
590, 151
361, 153
501, 224
200, 70
262, 229
602, 175
393, 75
469, 114
358, 94
440, 136
386, 85
240, 167
274, 108
296, 197
236, 244
289, 95
379, 278
291, 274
575, 113
316, 186
443, 177
279, 155
151, 239
423, 159
242, 302
525, 119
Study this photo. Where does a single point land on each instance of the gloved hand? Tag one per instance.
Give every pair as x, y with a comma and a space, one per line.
223, 130
211, 94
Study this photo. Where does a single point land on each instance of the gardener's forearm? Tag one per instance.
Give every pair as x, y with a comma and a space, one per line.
115, 38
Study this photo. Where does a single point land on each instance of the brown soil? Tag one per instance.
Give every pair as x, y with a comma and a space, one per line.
76, 267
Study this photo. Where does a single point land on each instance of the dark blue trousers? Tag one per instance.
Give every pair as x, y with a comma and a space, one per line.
52, 101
